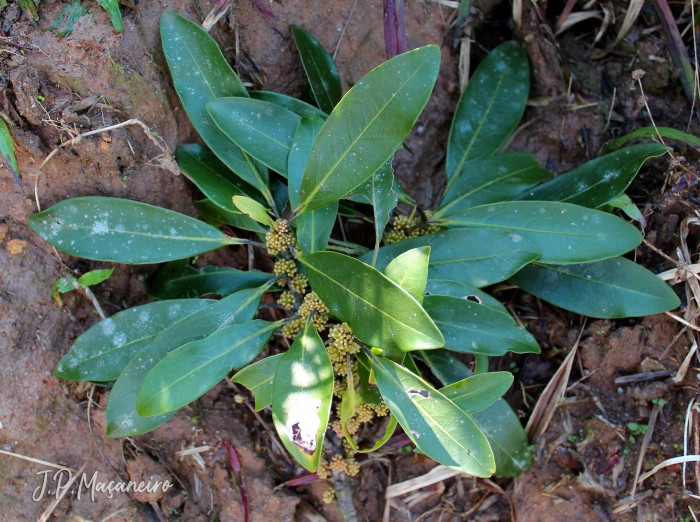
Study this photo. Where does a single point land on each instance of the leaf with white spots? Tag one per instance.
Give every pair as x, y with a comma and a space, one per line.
609, 289
490, 107
478, 257
101, 353
565, 233
298, 107
259, 378
437, 426
598, 181
463, 291
124, 231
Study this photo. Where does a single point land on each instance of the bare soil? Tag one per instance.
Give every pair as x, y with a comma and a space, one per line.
584, 464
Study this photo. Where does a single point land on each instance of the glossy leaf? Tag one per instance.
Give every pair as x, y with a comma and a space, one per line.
380, 313
95, 277
624, 203
200, 74
261, 129
102, 352
320, 69
369, 124
498, 422
187, 373
368, 391
652, 133
564, 233
613, 288
216, 216
478, 392
259, 378
252, 209
464, 291
179, 279
410, 271
598, 181
124, 231
477, 257
115, 15
315, 226
7, 149
122, 418
492, 180
470, 327
301, 397
378, 191
437, 426
304, 136
212, 177
490, 107
298, 107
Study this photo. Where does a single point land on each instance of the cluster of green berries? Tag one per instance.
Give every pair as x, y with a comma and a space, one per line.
402, 227
286, 300
279, 237
329, 495
311, 302
285, 267
342, 344
299, 283
338, 464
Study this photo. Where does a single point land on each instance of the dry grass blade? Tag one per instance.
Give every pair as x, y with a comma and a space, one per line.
548, 401
35, 461
437, 474
686, 363
575, 18
628, 503
645, 445
216, 13
518, 14
633, 11
570, 4
669, 462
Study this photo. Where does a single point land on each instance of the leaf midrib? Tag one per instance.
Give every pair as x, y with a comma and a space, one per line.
222, 239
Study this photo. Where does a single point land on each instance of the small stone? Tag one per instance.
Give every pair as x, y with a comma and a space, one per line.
16, 246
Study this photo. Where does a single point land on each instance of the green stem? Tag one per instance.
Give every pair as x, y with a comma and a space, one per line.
482, 363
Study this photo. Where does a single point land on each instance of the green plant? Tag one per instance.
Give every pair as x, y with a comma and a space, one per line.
418, 297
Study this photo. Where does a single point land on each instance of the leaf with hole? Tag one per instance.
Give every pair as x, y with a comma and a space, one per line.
301, 397
187, 373
437, 426
320, 69
492, 180
463, 291
379, 311
565, 233
470, 327
179, 279
490, 107
478, 257
124, 231
102, 352
598, 181
259, 378
368, 125
609, 289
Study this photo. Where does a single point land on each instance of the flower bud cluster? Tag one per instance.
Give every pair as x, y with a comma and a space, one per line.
279, 238
402, 227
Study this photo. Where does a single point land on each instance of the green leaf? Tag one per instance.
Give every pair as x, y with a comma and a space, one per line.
598, 181
477, 257
490, 107
463, 290
380, 312
477, 393
314, 228
651, 132
368, 125
179, 279
124, 231
434, 423
95, 277
470, 327
565, 233
102, 352
624, 203
401, 193
609, 289
320, 69
498, 422
7, 149
252, 209
379, 192
301, 397
187, 373
212, 177
304, 136
201, 74
410, 271
347, 410
294, 105
261, 129
115, 15
63, 285
217, 216
368, 392
122, 418
259, 378
492, 180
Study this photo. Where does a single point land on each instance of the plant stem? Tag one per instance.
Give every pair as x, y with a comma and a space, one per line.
482, 363
394, 28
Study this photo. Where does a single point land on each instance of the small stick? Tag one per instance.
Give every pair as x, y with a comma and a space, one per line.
645, 446
337, 47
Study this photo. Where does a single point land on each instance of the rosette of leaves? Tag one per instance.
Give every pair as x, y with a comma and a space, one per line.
267, 155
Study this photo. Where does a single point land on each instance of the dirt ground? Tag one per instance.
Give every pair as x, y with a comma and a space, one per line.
584, 464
